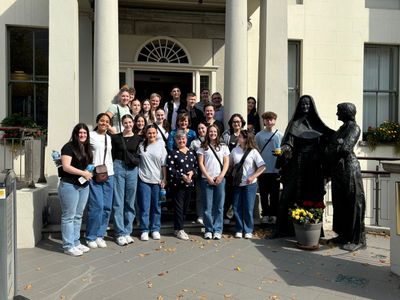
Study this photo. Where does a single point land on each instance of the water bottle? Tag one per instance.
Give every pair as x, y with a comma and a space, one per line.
56, 158
163, 196
90, 168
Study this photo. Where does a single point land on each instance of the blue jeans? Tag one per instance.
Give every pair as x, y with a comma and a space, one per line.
148, 200
213, 204
99, 208
244, 198
125, 184
73, 200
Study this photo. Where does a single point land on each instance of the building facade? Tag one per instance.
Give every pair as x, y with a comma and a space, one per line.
62, 62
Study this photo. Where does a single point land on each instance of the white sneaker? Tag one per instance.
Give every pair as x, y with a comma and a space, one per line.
217, 236
248, 235
144, 236
238, 235
208, 235
265, 220
200, 221
73, 251
101, 243
129, 239
181, 234
92, 244
83, 248
121, 241
155, 235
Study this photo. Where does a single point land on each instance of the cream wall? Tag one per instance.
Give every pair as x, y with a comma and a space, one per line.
33, 13
333, 35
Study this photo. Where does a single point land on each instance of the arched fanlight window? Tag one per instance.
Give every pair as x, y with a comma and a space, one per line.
162, 50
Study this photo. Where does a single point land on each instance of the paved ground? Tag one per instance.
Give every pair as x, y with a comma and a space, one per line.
200, 269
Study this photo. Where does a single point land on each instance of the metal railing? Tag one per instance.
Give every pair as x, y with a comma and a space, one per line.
24, 154
377, 174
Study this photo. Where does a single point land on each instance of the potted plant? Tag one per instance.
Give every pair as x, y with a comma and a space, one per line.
307, 221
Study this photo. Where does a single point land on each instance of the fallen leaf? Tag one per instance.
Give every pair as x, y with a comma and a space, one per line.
180, 295
38, 269
237, 269
160, 298
220, 284
143, 254
149, 284
62, 297
161, 274
202, 297
274, 297
227, 296
28, 286
232, 256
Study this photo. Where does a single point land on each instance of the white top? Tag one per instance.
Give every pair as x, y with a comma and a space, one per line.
151, 161
122, 111
97, 144
174, 113
211, 163
252, 162
159, 136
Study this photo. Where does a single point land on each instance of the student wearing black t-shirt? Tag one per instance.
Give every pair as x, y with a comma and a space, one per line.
125, 181
74, 188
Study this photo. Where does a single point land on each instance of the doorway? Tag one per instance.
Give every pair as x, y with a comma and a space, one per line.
148, 82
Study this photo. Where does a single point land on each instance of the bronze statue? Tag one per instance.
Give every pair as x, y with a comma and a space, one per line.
301, 163
348, 197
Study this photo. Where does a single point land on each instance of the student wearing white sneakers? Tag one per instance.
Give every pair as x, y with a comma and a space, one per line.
74, 188
245, 156
213, 159
152, 178
182, 166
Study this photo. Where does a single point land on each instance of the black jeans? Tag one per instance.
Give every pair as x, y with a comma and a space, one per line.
182, 196
268, 184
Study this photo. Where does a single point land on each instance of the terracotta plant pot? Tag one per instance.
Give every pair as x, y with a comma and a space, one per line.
308, 235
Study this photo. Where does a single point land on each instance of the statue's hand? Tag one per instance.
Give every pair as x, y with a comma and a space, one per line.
287, 151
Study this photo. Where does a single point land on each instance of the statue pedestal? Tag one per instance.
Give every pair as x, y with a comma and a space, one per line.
394, 199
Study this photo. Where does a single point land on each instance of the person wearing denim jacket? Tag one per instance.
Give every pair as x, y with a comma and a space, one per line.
73, 189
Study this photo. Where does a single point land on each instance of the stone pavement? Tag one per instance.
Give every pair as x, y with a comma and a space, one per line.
200, 269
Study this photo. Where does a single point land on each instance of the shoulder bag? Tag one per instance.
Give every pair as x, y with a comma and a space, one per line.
237, 170
100, 171
132, 160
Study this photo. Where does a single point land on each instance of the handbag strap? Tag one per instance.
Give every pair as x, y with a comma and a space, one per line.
119, 118
162, 134
105, 148
241, 162
216, 156
268, 140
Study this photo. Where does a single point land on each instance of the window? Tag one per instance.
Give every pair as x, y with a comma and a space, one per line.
28, 71
383, 4
381, 77
293, 76
204, 82
162, 50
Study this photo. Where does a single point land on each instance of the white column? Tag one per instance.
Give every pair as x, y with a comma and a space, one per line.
235, 75
272, 67
63, 99
106, 54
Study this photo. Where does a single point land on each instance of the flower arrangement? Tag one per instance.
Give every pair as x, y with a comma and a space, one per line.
14, 125
386, 133
310, 213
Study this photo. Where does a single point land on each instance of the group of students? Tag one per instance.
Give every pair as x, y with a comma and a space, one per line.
143, 156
